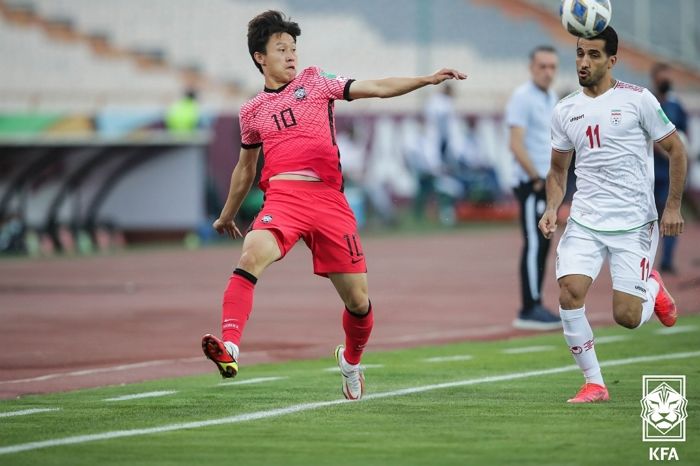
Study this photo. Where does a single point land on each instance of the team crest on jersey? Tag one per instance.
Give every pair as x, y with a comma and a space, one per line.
615, 117
300, 93
266, 219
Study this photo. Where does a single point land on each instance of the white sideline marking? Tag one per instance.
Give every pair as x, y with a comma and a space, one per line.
249, 381
136, 396
677, 329
457, 357
364, 366
321, 404
528, 349
100, 370
610, 339
24, 412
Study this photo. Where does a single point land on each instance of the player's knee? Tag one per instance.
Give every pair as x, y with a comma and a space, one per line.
249, 261
254, 261
626, 315
571, 296
256, 257
357, 302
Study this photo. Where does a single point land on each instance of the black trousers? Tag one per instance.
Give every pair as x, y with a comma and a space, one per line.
535, 246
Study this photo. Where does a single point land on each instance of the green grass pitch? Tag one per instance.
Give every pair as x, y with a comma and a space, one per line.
483, 406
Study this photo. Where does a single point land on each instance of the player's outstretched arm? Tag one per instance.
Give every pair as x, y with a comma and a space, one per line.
556, 187
392, 87
672, 220
241, 181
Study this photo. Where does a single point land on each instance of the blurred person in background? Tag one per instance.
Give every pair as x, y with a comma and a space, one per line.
303, 183
183, 116
439, 114
361, 186
423, 160
663, 90
528, 116
443, 133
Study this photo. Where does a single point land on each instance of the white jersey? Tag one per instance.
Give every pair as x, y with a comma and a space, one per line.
613, 137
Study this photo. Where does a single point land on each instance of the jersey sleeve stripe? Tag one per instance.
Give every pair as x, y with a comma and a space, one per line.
346, 90
665, 135
251, 146
562, 151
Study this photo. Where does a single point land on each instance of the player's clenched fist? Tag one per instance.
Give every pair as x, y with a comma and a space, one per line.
223, 226
671, 222
548, 223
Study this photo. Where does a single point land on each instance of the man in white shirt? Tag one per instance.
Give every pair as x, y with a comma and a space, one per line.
612, 127
528, 116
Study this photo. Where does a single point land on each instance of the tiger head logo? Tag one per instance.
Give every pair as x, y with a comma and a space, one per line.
664, 408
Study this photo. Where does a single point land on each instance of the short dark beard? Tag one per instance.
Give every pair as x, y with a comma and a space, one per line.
592, 80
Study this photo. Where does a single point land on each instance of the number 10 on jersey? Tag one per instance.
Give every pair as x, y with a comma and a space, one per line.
593, 131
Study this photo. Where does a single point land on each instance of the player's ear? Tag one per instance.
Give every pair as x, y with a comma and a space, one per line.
613, 60
259, 58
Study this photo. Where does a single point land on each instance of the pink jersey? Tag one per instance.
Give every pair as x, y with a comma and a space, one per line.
296, 127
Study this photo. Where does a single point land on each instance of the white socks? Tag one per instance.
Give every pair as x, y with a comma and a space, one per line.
232, 348
346, 366
579, 337
648, 305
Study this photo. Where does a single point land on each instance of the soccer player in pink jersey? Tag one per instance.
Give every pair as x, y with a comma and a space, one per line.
292, 119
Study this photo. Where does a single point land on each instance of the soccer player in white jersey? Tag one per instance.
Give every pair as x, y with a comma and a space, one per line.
612, 126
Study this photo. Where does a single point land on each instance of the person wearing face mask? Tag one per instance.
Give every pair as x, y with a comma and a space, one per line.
663, 86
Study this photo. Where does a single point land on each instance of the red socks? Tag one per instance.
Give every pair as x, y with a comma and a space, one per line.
357, 330
238, 302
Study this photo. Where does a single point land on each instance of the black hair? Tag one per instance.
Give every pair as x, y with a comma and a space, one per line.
264, 26
542, 48
609, 36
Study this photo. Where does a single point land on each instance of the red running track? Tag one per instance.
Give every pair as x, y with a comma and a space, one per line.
69, 323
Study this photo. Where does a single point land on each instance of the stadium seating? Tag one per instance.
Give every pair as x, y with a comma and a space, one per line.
666, 23
69, 76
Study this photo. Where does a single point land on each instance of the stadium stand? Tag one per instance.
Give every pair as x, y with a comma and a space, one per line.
107, 71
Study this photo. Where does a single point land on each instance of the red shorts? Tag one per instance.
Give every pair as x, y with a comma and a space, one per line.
318, 214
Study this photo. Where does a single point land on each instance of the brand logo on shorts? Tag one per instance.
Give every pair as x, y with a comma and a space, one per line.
640, 288
663, 408
615, 117
576, 118
300, 93
266, 219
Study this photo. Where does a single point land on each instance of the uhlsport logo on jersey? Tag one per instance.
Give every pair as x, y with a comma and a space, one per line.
615, 117
663, 408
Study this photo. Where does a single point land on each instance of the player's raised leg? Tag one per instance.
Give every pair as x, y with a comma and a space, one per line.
639, 291
358, 320
579, 337
260, 249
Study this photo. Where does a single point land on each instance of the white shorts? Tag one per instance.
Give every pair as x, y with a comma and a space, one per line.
581, 251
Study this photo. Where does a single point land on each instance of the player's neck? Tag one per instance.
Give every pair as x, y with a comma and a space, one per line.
603, 86
273, 84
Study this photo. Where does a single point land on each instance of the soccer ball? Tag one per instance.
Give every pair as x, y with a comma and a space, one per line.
585, 18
